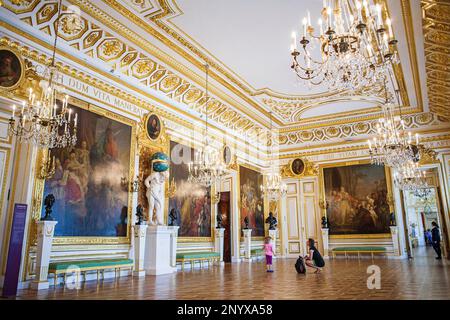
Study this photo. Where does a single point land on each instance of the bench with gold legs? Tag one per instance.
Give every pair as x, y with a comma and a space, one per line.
201, 257
358, 250
82, 266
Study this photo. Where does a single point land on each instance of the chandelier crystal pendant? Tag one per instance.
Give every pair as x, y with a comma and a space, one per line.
355, 46
43, 120
410, 177
393, 146
207, 168
273, 188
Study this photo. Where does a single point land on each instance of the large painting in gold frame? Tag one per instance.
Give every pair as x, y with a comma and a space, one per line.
124, 236
350, 187
190, 200
251, 201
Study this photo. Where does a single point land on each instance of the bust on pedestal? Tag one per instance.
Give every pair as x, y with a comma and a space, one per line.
247, 240
45, 232
325, 232
273, 232
140, 232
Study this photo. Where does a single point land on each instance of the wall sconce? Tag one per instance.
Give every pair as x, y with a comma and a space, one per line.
172, 188
323, 204
48, 166
132, 186
215, 197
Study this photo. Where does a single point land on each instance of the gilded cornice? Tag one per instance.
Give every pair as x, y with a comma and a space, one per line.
436, 31
169, 9
93, 41
343, 131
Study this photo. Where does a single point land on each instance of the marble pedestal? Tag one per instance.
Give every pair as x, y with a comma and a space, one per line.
45, 232
140, 235
160, 250
218, 243
247, 244
395, 240
325, 242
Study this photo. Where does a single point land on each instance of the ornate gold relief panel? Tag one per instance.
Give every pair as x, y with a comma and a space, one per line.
436, 29
309, 169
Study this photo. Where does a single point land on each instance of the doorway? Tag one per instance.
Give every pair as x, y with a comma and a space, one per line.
224, 207
422, 208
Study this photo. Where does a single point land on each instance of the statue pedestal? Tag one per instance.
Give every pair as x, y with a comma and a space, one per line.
273, 240
325, 242
140, 234
159, 249
218, 245
247, 243
173, 246
395, 240
45, 231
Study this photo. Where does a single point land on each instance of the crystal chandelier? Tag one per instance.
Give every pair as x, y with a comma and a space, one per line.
392, 146
410, 177
273, 188
207, 169
42, 119
356, 45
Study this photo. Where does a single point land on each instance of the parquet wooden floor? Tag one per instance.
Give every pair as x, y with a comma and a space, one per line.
422, 278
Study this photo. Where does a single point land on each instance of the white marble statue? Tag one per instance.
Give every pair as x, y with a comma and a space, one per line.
155, 196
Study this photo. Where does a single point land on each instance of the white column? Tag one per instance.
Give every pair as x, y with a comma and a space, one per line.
158, 255
247, 243
173, 245
395, 240
218, 245
325, 241
140, 234
45, 231
273, 234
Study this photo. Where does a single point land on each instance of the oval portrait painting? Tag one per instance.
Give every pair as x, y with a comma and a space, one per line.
297, 166
227, 156
153, 127
11, 69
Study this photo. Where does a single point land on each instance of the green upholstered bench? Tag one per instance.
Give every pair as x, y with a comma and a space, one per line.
367, 249
200, 256
81, 266
257, 253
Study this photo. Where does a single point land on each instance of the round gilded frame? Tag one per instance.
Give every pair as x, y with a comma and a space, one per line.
153, 133
18, 61
301, 167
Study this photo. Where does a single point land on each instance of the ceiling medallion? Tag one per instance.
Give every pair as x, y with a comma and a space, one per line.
355, 46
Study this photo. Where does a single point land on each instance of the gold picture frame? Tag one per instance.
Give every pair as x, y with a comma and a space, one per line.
155, 132
226, 150
301, 167
387, 171
211, 238
18, 62
40, 183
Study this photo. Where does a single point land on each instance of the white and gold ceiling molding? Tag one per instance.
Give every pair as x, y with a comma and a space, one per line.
265, 80
95, 42
415, 121
436, 29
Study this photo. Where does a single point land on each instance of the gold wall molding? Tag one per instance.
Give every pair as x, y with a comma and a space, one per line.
436, 31
94, 42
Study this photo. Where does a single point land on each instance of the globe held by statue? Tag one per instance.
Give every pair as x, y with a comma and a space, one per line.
160, 162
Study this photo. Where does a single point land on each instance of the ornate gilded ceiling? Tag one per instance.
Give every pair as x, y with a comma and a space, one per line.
133, 38
436, 29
